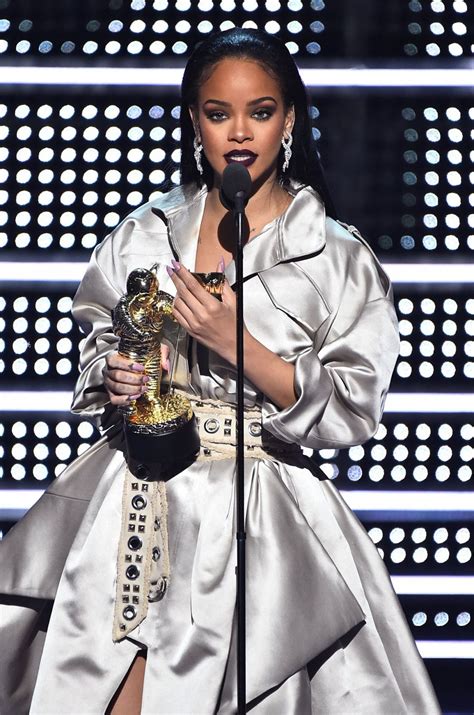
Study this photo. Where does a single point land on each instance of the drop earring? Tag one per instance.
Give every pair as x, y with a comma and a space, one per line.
286, 144
197, 154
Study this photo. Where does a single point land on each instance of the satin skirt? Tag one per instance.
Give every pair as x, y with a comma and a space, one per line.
325, 631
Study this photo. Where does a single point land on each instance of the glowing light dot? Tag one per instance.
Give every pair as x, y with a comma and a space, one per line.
376, 534
441, 619
398, 555
397, 535
419, 619
418, 535
464, 555
420, 555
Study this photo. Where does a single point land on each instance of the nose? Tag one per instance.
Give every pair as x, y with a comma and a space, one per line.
240, 129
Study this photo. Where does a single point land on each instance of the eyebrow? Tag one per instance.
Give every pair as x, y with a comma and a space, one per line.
252, 102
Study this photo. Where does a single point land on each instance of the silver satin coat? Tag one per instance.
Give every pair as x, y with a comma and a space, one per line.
325, 632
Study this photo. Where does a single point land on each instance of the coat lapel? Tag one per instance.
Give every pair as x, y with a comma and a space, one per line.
182, 211
298, 232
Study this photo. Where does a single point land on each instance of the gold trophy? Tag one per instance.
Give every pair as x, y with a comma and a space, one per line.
160, 429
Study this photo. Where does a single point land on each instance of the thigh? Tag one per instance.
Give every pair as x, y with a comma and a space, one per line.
128, 698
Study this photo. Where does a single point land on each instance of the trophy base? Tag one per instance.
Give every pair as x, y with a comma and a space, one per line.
160, 455
150, 415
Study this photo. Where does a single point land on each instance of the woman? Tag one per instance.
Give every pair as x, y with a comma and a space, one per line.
325, 630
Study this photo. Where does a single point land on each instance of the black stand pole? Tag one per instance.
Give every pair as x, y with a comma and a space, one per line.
240, 501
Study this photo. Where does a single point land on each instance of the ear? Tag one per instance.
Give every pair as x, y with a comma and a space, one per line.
194, 119
289, 121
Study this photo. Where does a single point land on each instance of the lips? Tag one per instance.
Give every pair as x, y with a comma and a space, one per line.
246, 157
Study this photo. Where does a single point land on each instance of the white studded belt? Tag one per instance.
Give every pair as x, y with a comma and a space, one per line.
217, 423
217, 426
143, 567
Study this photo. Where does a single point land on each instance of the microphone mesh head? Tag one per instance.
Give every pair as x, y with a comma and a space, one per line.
235, 179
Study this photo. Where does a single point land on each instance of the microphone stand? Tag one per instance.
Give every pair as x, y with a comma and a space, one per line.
238, 214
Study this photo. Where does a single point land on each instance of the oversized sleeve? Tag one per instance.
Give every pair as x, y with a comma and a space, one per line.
342, 383
93, 303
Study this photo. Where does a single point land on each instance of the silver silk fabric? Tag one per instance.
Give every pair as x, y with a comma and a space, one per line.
325, 632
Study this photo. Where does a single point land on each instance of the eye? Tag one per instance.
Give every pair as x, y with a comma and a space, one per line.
216, 115
262, 114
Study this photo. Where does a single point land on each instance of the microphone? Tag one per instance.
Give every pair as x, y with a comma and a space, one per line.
236, 187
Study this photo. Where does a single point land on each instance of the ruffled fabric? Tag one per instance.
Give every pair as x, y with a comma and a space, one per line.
314, 596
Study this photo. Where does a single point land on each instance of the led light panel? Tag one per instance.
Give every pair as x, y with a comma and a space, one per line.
439, 28
425, 548
39, 341
35, 448
71, 169
412, 453
443, 617
135, 29
437, 338
409, 452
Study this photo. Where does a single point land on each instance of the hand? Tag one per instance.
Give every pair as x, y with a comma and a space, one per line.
125, 380
213, 323
210, 321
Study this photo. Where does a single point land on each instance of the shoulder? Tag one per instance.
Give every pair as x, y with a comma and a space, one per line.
144, 230
139, 240
348, 249
346, 238
150, 217
343, 269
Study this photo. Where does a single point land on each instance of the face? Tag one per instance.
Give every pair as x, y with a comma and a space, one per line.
241, 117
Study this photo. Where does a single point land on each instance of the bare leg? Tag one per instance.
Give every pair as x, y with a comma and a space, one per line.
128, 698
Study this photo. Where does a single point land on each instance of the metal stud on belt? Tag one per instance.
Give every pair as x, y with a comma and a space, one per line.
211, 425
142, 573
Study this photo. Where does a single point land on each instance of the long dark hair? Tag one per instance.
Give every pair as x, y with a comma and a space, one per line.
268, 51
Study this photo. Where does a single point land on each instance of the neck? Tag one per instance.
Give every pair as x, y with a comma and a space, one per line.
269, 200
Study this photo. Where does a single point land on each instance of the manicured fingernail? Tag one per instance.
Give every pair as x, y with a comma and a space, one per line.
222, 264
170, 271
133, 397
145, 379
175, 264
137, 367
165, 365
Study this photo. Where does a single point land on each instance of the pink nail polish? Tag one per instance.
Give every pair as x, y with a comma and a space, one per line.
222, 264
175, 264
137, 367
170, 271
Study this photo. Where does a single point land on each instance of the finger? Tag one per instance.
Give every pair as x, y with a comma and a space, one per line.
125, 377
123, 387
120, 393
115, 360
183, 313
121, 400
188, 305
187, 285
221, 265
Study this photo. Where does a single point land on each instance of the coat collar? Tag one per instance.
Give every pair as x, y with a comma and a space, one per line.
297, 233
